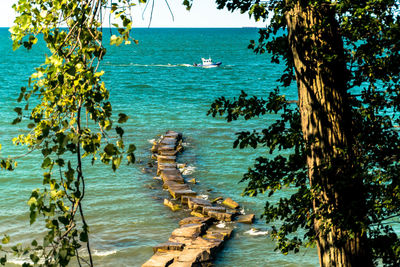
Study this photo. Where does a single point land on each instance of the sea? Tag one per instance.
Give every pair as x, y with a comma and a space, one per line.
155, 84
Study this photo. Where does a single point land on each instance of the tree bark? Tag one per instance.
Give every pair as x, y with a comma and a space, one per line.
338, 203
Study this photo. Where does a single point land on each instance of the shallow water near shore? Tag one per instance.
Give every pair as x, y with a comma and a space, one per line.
155, 85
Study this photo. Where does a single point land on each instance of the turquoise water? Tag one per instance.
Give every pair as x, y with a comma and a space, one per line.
151, 84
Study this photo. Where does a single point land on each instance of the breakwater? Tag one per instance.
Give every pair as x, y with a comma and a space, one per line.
200, 236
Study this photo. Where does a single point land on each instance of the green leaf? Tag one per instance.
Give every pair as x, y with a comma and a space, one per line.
32, 216
83, 236
131, 148
46, 163
131, 158
122, 118
15, 121
18, 110
3, 260
116, 162
35, 259
119, 131
109, 149
5, 239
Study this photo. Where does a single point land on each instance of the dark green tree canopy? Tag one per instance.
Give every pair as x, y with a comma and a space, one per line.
369, 51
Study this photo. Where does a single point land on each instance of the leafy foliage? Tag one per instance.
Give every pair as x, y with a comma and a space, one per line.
72, 120
370, 32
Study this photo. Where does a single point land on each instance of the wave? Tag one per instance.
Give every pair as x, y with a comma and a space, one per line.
103, 253
142, 86
255, 232
18, 261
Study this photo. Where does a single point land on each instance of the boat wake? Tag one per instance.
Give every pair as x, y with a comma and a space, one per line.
148, 65
206, 64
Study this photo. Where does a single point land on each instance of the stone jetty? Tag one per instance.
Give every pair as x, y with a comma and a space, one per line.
199, 237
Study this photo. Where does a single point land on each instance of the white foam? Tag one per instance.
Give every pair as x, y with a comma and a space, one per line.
188, 170
221, 224
204, 197
104, 253
256, 232
151, 141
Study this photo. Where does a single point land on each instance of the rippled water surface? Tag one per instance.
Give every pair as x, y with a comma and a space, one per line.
152, 83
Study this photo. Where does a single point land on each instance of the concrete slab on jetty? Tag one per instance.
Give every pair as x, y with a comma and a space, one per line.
197, 239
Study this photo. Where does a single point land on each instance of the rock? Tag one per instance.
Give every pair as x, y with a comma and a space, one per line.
216, 199
171, 172
230, 203
184, 200
210, 245
184, 264
198, 208
180, 239
194, 255
219, 233
249, 218
220, 216
197, 201
166, 159
173, 134
169, 246
166, 148
154, 148
190, 231
235, 212
180, 148
171, 205
176, 179
169, 141
197, 214
214, 236
191, 264
159, 170
162, 166
172, 175
191, 220
177, 194
181, 165
167, 152
212, 208
162, 259
175, 186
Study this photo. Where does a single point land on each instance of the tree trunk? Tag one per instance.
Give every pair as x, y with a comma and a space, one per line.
321, 75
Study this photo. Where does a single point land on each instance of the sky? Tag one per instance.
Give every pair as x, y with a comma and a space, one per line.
204, 13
